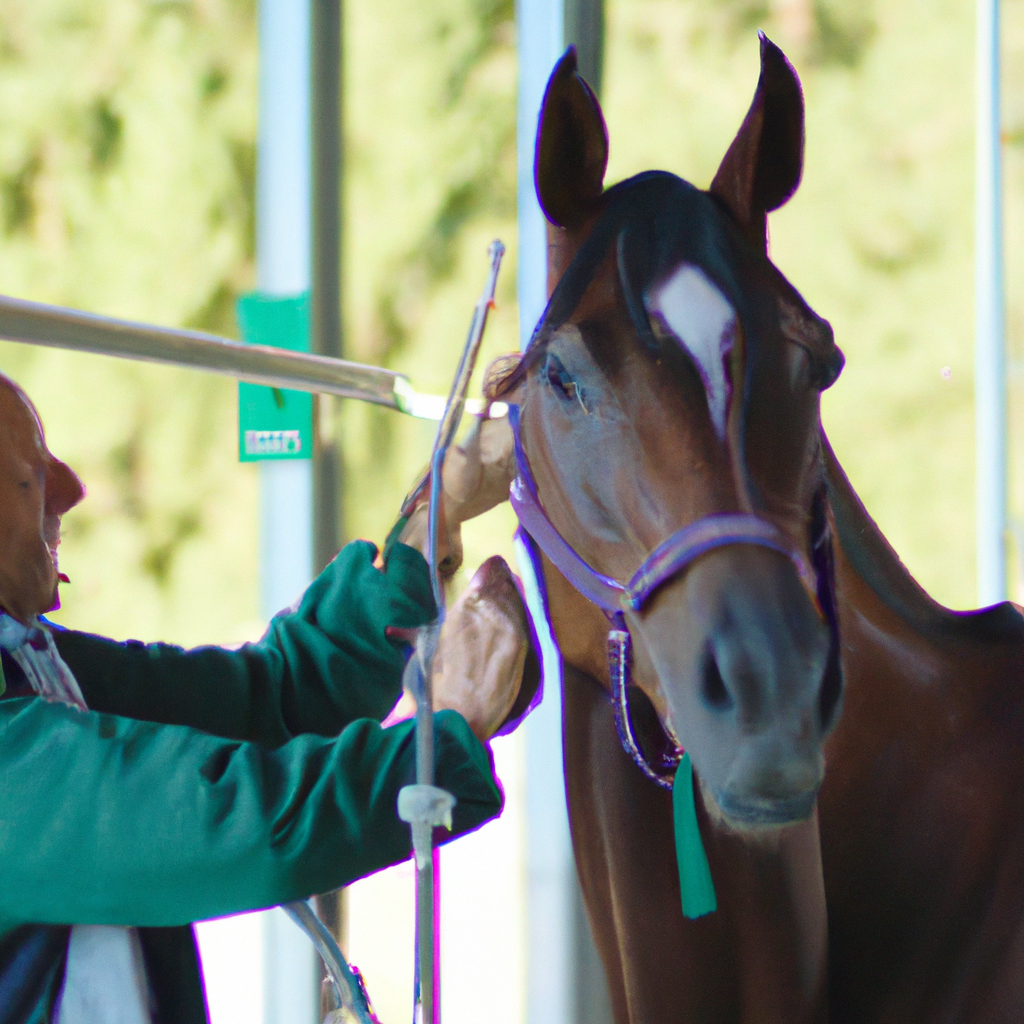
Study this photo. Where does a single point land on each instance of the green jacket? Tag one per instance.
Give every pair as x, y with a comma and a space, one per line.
210, 781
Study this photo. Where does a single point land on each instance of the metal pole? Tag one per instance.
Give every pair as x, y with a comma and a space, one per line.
282, 268
539, 31
325, 314
584, 28
990, 353
36, 323
565, 979
550, 995
290, 971
325, 293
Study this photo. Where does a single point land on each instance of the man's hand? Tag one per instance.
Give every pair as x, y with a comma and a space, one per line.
477, 475
480, 666
481, 654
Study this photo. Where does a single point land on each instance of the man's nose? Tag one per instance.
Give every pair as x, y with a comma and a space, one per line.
63, 488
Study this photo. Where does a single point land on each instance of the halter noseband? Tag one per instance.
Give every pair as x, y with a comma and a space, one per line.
670, 558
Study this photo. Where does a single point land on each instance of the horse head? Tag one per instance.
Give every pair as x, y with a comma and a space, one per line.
674, 382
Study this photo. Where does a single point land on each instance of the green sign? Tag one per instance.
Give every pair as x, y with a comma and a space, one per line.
274, 423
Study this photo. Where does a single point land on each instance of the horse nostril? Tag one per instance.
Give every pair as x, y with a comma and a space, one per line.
714, 690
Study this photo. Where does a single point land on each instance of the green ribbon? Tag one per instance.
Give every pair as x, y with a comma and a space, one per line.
695, 883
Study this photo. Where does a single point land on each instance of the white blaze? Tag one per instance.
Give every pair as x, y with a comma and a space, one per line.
700, 316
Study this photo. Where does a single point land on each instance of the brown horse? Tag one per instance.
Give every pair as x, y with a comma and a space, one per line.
674, 383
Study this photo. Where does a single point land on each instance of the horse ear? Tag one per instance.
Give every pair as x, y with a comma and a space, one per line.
572, 147
762, 167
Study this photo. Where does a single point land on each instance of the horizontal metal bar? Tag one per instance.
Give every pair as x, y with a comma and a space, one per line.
36, 323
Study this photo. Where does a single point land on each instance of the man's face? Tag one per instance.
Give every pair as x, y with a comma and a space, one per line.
35, 491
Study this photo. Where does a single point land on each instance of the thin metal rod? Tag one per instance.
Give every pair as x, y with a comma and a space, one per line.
426, 1005
454, 410
347, 984
990, 348
426, 1008
36, 323
325, 193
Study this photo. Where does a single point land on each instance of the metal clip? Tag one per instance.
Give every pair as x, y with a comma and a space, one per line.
426, 805
424, 808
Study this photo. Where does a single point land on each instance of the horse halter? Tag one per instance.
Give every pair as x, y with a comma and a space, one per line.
667, 561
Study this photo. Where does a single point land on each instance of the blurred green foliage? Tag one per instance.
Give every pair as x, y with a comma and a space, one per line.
127, 156
127, 143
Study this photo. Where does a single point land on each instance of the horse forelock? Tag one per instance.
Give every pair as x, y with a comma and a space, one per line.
653, 223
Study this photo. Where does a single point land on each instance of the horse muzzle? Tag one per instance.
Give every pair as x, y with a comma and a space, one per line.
761, 812
773, 780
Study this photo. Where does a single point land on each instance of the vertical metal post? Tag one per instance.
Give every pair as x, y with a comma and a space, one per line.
282, 268
549, 994
540, 34
565, 981
325, 318
990, 354
286, 491
325, 294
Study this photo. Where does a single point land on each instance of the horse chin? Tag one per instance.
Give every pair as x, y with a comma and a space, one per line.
752, 815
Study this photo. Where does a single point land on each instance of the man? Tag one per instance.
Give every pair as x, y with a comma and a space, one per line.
152, 787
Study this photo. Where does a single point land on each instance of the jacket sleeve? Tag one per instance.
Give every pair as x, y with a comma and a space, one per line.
107, 820
318, 668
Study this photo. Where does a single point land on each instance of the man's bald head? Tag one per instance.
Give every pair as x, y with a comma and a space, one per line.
35, 491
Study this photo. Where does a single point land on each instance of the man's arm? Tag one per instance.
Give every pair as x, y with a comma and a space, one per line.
106, 820
317, 669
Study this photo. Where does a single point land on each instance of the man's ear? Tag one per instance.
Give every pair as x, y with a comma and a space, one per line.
572, 147
762, 167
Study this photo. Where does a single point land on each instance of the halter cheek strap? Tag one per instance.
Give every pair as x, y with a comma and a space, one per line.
665, 562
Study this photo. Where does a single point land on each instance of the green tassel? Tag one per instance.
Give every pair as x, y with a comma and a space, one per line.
695, 883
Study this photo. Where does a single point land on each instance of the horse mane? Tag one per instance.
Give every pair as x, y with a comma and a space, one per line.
880, 567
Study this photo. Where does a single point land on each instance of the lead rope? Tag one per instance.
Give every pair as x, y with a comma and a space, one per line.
423, 805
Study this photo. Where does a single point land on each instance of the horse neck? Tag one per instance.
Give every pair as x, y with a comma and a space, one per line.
891, 615
932, 710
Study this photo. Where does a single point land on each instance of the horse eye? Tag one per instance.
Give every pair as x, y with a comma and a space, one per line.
558, 377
